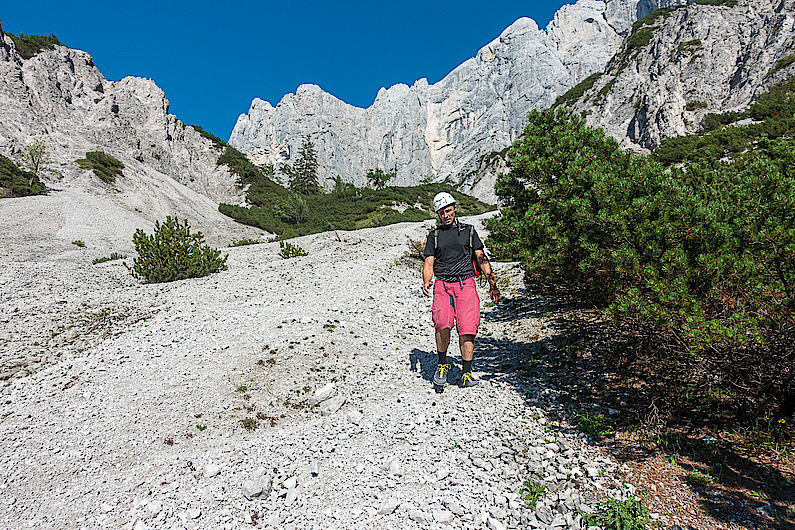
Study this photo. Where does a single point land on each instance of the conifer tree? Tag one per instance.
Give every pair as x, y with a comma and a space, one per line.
303, 175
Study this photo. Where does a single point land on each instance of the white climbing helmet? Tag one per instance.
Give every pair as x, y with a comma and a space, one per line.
442, 200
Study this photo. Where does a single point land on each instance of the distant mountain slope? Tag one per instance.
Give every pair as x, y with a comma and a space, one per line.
441, 131
678, 65
58, 96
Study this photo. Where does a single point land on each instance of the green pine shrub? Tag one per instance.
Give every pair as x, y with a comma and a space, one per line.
105, 166
291, 210
697, 261
693, 105
210, 136
29, 45
173, 253
573, 94
16, 182
288, 250
114, 256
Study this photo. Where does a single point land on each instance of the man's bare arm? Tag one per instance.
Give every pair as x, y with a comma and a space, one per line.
427, 275
488, 273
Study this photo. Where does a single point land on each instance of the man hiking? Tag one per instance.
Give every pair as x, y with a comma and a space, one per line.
451, 252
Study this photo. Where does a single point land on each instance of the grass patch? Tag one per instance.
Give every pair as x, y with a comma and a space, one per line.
782, 63
79, 243
620, 515
30, 45
532, 492
210, 136
698, 480
595, 426
104, 166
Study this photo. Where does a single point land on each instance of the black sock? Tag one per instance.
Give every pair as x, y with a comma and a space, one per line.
442, 357
466, 366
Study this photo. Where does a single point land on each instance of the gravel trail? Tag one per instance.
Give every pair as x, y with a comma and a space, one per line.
279, 393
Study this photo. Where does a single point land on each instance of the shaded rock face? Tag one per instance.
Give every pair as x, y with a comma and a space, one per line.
60, 97
442, 131
700, 59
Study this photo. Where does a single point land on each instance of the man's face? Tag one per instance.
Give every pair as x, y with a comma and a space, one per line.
447, 215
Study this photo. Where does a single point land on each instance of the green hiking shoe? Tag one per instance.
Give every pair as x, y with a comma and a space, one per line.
440, 376
468, 381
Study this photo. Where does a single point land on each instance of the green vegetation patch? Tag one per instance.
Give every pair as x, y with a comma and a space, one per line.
113, 257
615, 514
576, 92
173, 253
346, 207
651, 18
105, 166
693, 105
775, 110
725, 3
29, 45
210, 136
696, 264
16, 182
596, 426
640, 38
782, 63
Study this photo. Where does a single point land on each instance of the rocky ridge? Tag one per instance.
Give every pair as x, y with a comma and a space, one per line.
60, 97
441, 131
699, 59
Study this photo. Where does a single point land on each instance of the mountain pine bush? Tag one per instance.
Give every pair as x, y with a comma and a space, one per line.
701, 258
173, 253
104, 166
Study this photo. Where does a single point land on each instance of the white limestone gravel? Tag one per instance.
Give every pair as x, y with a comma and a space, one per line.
141, 426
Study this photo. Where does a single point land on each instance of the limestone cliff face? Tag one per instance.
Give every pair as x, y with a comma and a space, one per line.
699, 59
60, 97
443, 131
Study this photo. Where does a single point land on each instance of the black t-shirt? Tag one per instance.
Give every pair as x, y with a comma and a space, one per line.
452, 251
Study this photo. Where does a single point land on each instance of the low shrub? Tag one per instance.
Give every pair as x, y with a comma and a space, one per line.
173, 253
573, 94
243, 242
29, 45
114, 256
16, 182
288, 250
697, 264
595, 426
79, 243
105, 166
693, 105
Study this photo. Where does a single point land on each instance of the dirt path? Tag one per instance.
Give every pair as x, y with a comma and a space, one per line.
188, 404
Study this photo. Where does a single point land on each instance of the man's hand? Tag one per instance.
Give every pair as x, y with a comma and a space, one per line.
494, 293
426, 288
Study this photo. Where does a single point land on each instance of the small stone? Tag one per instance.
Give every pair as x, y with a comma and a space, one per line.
442, 473
443, 516
612, 412
251, 489
456, 508
388, 506
211, 470
591, 471
291, 483
322, 394
292, 496
394, 467
494, 524
497, 513
418, 516
354, 416
140, 525
153, 508
194, 513
314, 468
332, 405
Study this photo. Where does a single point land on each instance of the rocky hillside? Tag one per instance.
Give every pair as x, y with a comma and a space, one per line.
678, 65
442, 131
59, 96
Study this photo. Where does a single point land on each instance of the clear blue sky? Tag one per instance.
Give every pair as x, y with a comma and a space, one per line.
213, 58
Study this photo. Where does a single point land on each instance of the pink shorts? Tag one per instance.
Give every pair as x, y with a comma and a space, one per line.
452, 304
